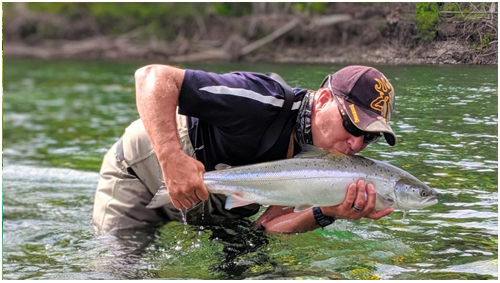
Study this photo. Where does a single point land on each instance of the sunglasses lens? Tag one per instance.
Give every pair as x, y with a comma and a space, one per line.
355, 131
371, 137
350, 128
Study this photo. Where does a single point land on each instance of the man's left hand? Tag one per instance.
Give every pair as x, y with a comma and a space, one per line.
359, 202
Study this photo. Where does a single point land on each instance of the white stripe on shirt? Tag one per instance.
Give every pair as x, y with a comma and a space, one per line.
241, 92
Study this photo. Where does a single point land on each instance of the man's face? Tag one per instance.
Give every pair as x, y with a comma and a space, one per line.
327, 129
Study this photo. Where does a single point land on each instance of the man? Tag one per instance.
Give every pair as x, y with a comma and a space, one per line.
193, 120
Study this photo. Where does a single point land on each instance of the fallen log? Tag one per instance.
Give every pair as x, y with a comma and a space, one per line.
329, 20
231, 50
213, 54
269, 38
20, 50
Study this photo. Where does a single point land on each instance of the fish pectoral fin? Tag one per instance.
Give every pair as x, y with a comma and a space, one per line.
234, 201
301, 207
385, 200
161, 198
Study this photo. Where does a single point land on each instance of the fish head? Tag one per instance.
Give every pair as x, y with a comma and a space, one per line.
411, 193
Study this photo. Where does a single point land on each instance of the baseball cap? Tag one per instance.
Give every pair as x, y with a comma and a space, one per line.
368, 98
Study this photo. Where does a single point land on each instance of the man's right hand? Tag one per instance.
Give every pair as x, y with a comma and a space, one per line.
184, 180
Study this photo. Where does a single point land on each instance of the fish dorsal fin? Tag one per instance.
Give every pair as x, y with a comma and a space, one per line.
309, 151
222, 166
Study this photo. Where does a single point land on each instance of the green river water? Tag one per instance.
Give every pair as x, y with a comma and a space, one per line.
60, 117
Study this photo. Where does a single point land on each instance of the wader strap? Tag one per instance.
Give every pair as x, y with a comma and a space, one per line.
274, 131
120, 156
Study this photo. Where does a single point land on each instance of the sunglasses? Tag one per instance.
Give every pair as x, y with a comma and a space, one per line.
368, 137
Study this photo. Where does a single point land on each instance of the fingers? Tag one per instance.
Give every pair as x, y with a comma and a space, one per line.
371, 200
359, 202
183, 202
189, 198
176, 203
371, 197
356, 204
376, 215
350, 195
368, 210
184, 181
202, 193
188, 201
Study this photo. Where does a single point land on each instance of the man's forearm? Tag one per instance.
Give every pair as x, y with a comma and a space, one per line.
279, 220
157, 93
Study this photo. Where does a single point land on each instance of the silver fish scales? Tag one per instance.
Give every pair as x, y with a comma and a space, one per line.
313, 178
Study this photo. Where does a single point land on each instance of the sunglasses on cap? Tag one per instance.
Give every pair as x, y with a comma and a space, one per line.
368, 137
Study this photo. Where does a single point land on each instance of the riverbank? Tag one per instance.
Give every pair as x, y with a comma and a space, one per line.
354, 34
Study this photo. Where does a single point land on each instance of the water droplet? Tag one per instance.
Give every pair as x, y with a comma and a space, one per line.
202, 212
183, 215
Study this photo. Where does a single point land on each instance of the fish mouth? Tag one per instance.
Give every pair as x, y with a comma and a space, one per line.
432, 199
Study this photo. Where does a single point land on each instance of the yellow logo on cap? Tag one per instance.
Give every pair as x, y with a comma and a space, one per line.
354, 114
383, 102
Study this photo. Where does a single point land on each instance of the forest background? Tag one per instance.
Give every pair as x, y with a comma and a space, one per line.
312, 32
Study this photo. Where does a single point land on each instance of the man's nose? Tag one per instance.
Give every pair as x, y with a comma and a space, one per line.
356, 143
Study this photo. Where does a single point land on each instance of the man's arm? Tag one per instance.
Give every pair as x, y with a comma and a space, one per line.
157, 94
277, 219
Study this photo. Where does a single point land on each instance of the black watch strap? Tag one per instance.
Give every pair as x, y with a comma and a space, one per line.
321, 219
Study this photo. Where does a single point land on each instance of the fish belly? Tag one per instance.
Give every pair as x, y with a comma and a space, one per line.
279, 188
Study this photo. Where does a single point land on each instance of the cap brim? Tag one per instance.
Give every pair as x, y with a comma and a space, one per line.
370, 122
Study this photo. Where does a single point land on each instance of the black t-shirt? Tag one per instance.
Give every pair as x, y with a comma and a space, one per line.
229, 113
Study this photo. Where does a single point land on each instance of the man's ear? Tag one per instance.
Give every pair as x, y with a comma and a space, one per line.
323, 98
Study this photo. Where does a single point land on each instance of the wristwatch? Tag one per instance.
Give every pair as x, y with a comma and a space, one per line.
321, 219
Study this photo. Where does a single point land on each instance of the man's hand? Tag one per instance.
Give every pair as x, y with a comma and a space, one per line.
355, 198
184, 181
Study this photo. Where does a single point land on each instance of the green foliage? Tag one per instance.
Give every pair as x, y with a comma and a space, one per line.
465, 9
318, 6
55, 8
427, 19
452, 7
158, 17
164, 19
68, 10
232, 9
486, 39
314, 7
161, 18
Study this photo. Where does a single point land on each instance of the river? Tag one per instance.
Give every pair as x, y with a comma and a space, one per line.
60, 117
